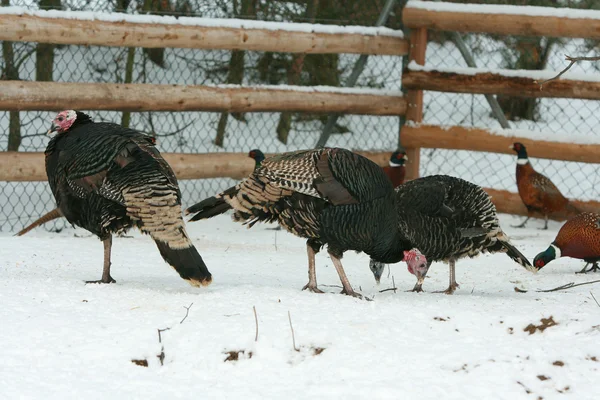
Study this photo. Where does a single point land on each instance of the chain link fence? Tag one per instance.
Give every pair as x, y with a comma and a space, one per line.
197, 132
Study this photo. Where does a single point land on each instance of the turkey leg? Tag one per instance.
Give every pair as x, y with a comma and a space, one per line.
453, 285
345, 283
594, 268
312, 274
106, 278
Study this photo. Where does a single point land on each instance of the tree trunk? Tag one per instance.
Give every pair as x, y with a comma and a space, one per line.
235, 75
44, 55
12, 74
532, 54
126, 117
285, 119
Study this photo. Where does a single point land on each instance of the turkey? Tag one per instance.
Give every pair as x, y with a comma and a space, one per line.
396, 170
329, 196
447, 219
537, 192
108, 179
53, 214
578, 238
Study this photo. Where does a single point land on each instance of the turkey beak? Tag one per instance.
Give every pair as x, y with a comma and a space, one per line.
53, 128
405, 157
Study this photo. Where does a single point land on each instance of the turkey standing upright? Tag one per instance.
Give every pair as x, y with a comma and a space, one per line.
448, 218
578, 238
107, 179
329, 196
537, 192
396, 170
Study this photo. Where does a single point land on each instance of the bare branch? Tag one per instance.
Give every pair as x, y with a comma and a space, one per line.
573, 61
256, 322
187, 310
563, 287
394, 288
292, 328
594, 297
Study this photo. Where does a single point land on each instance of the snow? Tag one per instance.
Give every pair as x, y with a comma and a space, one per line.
517, 73
204, 22
64, 339
527, 134
533, 11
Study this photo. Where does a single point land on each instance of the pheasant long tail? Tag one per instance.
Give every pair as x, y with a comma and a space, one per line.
49, 216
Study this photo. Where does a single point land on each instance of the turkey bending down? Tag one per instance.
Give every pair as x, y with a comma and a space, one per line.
329, 196
107, 179
448, 218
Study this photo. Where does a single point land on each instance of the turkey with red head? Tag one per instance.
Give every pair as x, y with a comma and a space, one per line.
537, 192
447, 219
329, 196
578, 238
108, 179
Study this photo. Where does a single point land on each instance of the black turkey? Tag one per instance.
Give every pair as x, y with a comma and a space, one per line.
108, 179
448, 218
329, 196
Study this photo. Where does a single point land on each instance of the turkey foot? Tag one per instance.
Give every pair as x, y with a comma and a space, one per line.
594, 268
352, 293
416, 289
311, 288
106, 278
109, 279
451, 289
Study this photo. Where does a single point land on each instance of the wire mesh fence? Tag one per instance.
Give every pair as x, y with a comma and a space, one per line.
199, 132
558, 119
196, 132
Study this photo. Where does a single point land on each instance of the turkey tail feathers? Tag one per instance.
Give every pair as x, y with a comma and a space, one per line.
517, 256
187, 262
208, 208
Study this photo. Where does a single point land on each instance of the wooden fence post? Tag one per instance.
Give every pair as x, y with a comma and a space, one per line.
414, 112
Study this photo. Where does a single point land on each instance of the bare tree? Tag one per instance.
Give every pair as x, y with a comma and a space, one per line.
44, 57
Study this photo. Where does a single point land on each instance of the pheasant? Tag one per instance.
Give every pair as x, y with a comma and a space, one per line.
396, 170
578, 238
537, 192
329, 196
108, 179
447, 219
258, 157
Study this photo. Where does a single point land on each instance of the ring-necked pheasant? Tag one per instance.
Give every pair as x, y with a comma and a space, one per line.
329, 196
108, 179
578, 238
396, 170
447, 219
537, 192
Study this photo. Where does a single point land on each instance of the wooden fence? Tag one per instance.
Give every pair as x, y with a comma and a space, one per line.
162, 32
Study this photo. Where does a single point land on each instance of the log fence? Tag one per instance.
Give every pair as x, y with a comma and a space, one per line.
19, 95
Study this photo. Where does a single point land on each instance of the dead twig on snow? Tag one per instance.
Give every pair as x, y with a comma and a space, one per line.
563, 287
394, 288
594, 297
573, 61
256, 322
187, 310
292, 328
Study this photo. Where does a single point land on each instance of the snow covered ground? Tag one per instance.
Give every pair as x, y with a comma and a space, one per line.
64, 339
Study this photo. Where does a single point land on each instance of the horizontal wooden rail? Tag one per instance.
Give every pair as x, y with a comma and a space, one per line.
33, 28
510, 203
509, 23
489, 83
52, 96
475, 139
26, 166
